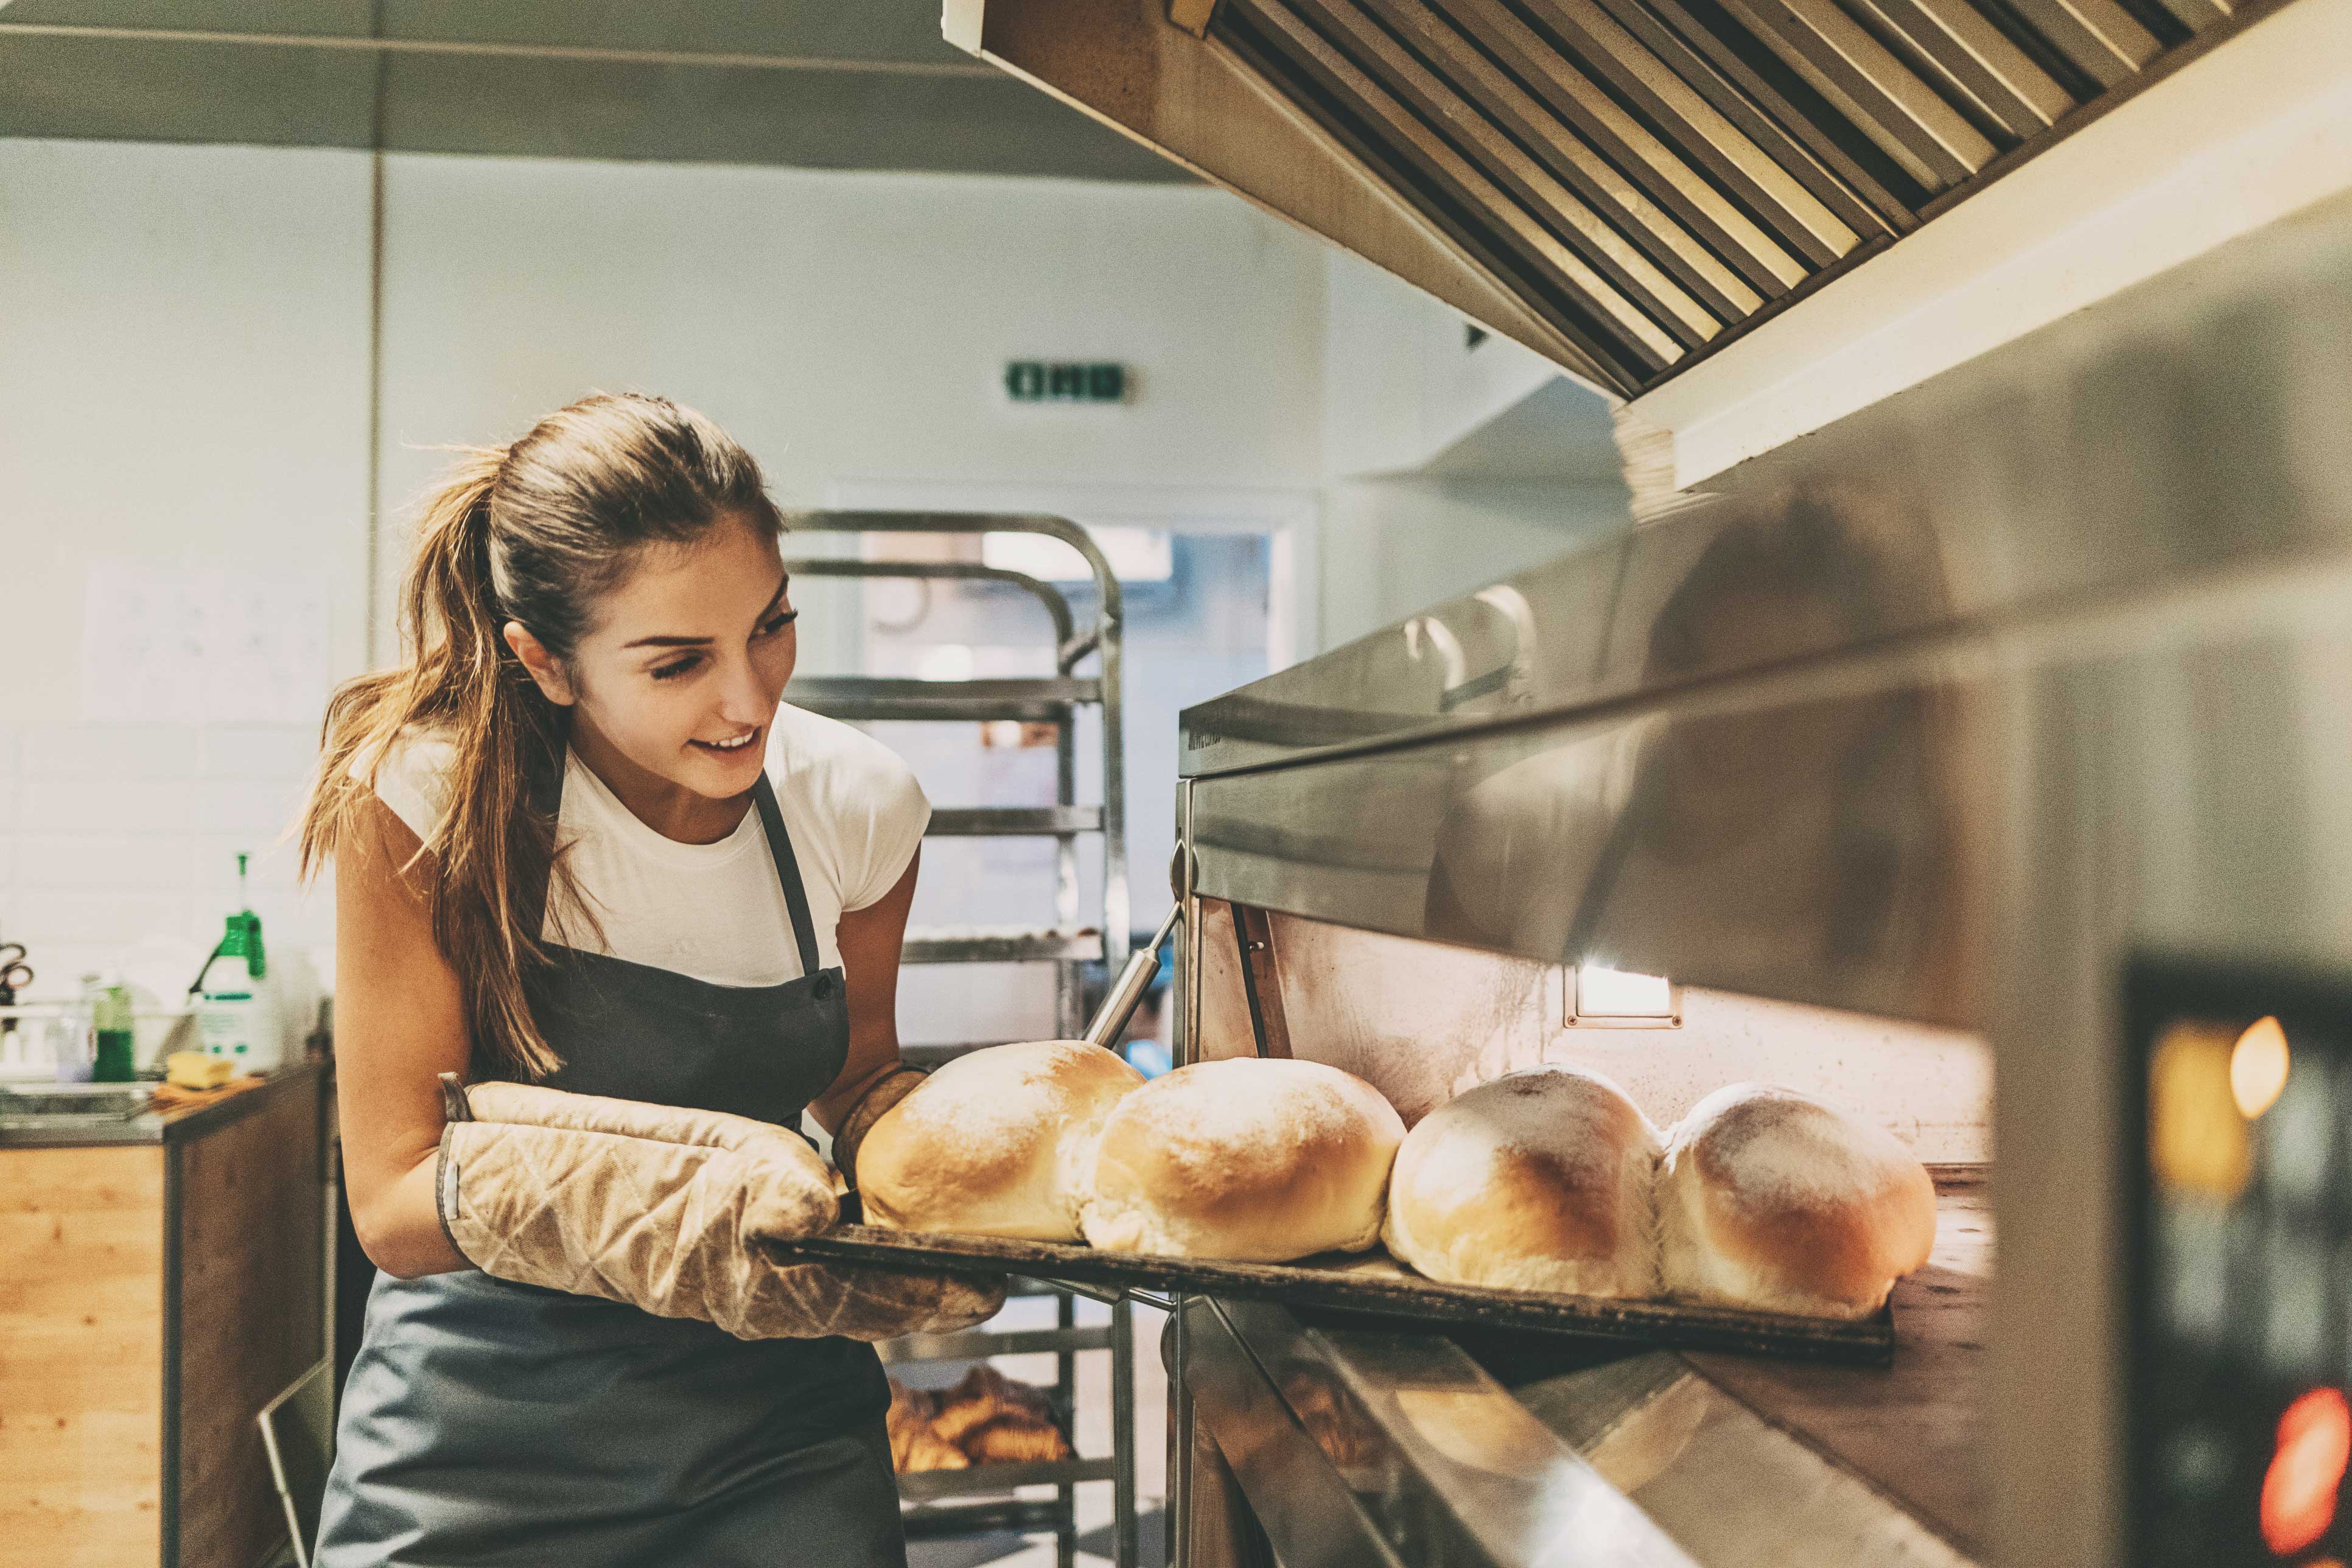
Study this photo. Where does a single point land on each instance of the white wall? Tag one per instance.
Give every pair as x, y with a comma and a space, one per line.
851, 327
1402, 381
183, 358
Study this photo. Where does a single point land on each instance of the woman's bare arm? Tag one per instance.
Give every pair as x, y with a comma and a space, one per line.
870, 939
400, 1022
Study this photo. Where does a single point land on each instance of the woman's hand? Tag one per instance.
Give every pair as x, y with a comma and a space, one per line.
400, 1018
870, 940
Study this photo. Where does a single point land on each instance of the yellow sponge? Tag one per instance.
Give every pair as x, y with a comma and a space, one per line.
193, 1069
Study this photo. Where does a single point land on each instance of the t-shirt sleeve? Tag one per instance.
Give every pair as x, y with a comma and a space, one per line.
896, 813
413, 779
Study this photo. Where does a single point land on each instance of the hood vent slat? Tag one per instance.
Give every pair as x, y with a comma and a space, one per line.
1647, 175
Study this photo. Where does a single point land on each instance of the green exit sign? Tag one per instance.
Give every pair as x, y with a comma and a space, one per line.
1064, 381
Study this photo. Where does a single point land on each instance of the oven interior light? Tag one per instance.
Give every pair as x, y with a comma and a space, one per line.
2314, 1443
2258, 1067
1605, 993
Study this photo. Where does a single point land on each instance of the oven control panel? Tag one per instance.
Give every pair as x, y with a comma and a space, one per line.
2241, 1237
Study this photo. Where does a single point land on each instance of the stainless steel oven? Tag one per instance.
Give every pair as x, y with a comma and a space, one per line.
1960, 762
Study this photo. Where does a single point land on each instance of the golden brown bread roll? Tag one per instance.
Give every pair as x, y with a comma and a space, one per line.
913, 1445
927, 1450
1770, 1200
1260, 1160
983, 1393
995, 1142
1537, 1180
1014, 1437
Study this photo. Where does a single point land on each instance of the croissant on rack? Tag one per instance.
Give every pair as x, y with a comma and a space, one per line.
987, 1419
1014, 1437
913, 1445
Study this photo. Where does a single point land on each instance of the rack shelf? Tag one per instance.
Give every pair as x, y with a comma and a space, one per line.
1001, 944
978, 1343
1014, 821
922, 1486
1044, 699
982, 1516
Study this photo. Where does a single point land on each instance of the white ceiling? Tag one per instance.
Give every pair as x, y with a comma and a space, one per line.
808, 83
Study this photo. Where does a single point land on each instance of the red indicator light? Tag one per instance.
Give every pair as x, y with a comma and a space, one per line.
2314, 1443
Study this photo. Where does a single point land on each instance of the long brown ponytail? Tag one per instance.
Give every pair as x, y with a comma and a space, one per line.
533, 533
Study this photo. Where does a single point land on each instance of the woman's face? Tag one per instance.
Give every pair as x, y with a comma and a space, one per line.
679, 677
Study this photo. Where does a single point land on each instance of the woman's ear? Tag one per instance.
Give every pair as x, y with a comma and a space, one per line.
544, 670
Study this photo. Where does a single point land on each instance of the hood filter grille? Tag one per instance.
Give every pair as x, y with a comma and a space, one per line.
1646, 174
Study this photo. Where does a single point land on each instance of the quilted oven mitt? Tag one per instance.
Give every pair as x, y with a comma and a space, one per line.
669, 1210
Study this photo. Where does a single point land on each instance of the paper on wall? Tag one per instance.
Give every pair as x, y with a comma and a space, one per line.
167, 643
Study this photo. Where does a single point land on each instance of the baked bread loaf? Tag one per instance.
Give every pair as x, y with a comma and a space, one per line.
1770, 1200
1537, 1181
1255, 1160
995, 1142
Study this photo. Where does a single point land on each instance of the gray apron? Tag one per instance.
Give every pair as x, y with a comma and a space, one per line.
491, 1423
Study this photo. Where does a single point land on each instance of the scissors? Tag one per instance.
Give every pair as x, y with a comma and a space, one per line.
15, 974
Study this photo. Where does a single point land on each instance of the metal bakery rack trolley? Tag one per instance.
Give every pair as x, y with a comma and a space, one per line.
982, 1499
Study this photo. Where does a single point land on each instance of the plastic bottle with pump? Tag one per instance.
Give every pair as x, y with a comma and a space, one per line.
237, 1007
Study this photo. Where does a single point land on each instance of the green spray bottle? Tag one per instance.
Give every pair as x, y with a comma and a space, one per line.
237, 1007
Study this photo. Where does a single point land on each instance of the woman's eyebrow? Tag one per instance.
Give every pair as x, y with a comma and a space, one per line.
782, 584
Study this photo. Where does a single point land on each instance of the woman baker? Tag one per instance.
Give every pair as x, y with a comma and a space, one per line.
587, 863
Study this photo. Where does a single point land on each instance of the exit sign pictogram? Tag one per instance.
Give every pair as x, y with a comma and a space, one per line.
1064, 381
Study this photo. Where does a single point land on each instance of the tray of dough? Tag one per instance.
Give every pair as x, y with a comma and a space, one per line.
1368, 1284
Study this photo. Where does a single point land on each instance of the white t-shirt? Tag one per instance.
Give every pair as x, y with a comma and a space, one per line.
716, 911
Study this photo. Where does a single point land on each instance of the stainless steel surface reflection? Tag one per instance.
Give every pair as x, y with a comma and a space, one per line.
2198, 420
1808, 846
1358, 1447
1738, 1491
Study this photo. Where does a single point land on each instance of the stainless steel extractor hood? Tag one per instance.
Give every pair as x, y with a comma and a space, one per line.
1621, 185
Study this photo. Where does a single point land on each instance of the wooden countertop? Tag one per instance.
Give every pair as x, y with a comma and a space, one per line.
189, 1116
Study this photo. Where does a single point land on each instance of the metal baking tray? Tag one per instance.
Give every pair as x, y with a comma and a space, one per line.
1368, 1285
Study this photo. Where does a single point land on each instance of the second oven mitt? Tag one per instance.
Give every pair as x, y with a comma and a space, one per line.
664, 1209
796, 1300
878, 1099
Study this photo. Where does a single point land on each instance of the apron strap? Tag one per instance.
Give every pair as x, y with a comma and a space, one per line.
788, 872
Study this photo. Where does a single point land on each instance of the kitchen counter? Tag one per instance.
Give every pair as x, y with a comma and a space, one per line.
160, 1281
175, 1123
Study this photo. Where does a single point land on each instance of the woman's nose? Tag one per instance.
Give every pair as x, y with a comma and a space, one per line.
745, 699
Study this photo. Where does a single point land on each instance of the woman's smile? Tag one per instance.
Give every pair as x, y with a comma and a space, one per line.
731, 745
